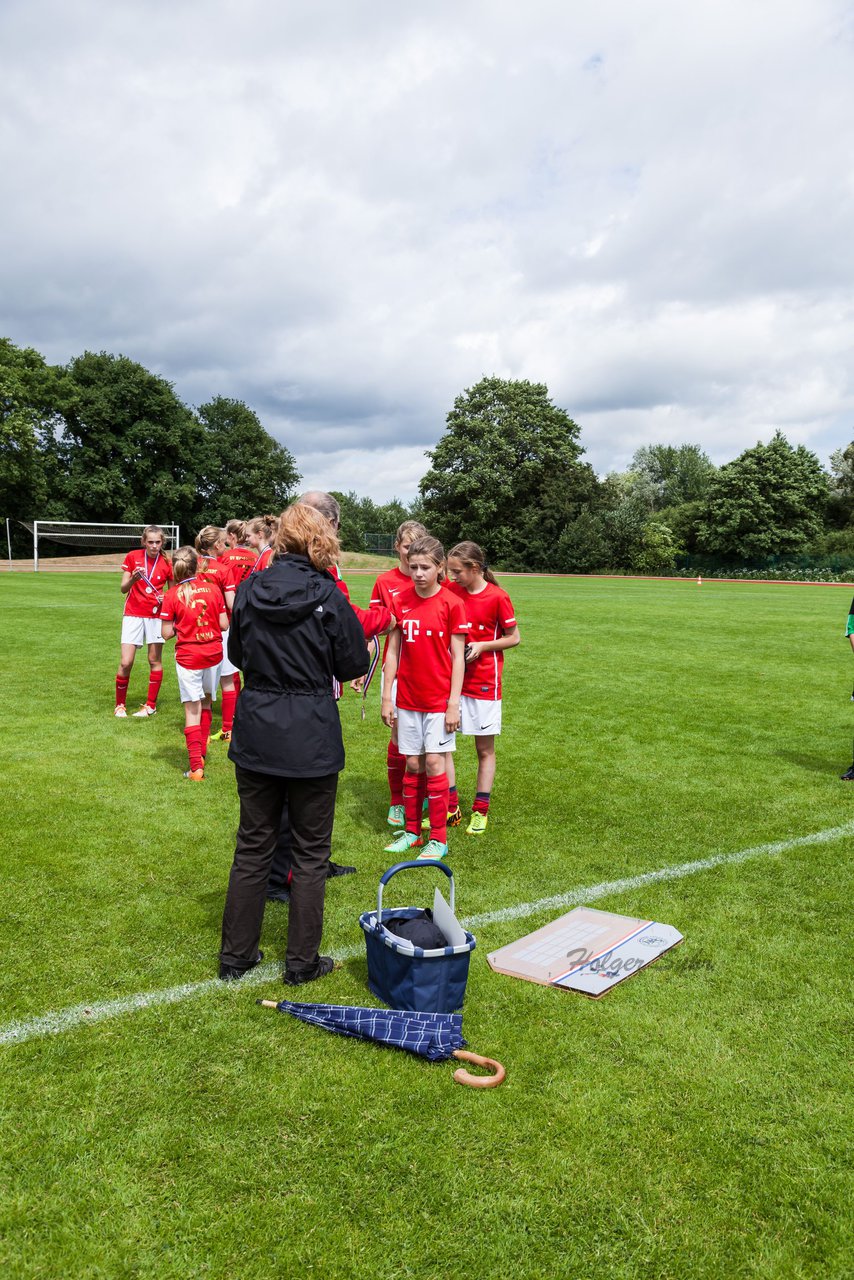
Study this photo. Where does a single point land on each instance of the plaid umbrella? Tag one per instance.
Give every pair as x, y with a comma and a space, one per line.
435, 1036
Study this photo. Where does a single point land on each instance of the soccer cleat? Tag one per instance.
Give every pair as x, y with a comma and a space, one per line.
425, 816
396, 816
433, 851
477, 826
224, 735
121, 711
848, 775
144, 712
403, 843
195, 775
455, 817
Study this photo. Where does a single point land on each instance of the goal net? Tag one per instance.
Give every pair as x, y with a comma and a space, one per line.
379, 544
92, 539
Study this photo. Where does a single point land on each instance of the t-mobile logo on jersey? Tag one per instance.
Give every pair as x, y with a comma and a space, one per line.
410, 628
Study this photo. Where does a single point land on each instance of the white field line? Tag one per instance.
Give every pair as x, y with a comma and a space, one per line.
50, 1024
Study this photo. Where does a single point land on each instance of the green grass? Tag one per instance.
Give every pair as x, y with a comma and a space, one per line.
694, 1122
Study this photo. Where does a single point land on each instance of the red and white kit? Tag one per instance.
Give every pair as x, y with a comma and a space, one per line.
424, 669
265, 555
146, 593
490, 615
198, 638
238, 563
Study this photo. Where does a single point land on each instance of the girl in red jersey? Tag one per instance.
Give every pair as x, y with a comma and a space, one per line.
210, 544
387, 586
492, 629
260, 534
194, 612
145, 574
426, 656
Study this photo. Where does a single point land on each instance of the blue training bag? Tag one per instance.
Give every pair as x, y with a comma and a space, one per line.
408, 977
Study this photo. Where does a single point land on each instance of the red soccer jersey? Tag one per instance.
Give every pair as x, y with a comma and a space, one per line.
238, 563
489, 614
424, 670
263, 560
210, 570
146, 594
387, 586
198, 638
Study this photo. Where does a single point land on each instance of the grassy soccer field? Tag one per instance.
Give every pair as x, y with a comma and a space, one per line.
694, 1122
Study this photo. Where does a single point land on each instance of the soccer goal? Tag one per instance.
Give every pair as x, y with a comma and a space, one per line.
379, 544
94, 537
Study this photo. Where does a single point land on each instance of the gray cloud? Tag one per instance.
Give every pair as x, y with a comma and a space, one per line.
346, 214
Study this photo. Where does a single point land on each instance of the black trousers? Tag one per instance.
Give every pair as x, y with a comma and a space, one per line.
282, 862
311, 806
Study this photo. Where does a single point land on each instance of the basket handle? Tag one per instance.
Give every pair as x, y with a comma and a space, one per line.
403, 866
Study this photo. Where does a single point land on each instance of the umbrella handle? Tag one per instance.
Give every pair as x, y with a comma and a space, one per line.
478, 1082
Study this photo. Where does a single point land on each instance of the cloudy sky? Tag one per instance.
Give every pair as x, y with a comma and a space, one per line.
345, 212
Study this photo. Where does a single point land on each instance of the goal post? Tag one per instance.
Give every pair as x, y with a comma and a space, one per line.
95, 537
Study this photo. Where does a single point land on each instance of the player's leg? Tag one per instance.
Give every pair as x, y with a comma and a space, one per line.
455, 815
410, 739
155, 669
395, 768
191, 691
126, 657
485, 746
229, 702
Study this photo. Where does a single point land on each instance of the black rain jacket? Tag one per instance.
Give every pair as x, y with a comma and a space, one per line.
292, 632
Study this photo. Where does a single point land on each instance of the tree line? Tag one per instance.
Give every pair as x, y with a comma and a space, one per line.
103, 439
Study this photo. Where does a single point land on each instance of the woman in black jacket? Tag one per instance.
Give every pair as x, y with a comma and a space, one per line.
292, 633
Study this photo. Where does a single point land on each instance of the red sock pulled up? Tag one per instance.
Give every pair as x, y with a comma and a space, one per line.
122, 683
206, 729
412, 801
155, 680
396, 765
229, 702
193, 734
437, 807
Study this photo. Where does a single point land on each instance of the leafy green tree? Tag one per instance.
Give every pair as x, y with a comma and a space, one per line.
30, 474
676, 473
657, 550
506, 473
132, 450
841, 504
244, 472
582, 547
769, 501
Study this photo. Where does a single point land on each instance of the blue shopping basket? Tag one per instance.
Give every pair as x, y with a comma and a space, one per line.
408, 977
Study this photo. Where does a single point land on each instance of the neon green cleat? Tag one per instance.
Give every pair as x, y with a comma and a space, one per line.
433, 851
425, 816
403, 843
477, 826
396, 816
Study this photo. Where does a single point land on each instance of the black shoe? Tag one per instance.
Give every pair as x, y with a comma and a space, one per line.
335, 869
279, 895
848, 775
296, 977
230, 973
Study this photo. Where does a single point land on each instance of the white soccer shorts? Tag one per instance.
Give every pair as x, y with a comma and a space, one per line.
194, 684
480, 718
420, 731
140, 631
226, 667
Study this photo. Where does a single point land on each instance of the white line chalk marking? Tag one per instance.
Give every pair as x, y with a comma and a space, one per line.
51, 1024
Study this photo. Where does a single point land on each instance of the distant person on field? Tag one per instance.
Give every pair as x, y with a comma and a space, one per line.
193, 611
848, 775
144, 576
492, 629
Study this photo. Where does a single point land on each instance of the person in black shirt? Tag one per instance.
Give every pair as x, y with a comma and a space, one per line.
292, 632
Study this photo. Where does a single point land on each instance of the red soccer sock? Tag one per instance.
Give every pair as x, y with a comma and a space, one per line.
396, 764
206, 729
453, 799
122, 683
229, 702
155, 680
481, 802
193, 734
437, 807
237, 684
412, 801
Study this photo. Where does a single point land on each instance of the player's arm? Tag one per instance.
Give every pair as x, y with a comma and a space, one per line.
508, 641
458, 670
392, 662
128, 579
167, 629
